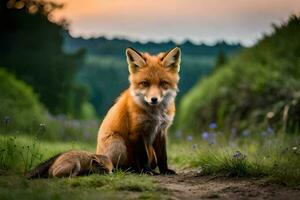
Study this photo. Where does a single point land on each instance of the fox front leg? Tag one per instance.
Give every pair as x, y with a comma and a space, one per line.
141, 153
160, 149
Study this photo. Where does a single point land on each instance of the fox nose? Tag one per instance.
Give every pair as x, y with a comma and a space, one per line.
154, 100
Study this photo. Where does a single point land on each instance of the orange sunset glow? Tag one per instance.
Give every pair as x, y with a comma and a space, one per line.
204, 20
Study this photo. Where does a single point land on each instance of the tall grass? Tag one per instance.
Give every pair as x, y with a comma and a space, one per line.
20, 153
274, 156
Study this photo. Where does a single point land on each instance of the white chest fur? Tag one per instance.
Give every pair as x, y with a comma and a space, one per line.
154, 123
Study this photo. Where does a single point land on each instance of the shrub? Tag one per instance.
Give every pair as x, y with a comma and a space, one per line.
257, 88
20, 107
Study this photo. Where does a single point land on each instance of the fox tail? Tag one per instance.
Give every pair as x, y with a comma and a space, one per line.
41, 171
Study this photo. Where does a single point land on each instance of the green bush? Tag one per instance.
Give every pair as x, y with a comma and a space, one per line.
257, 88
19, 107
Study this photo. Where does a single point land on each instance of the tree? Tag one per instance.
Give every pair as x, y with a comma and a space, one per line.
32, 48
220, 60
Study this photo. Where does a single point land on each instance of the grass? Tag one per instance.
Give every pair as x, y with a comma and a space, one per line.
119, 181
275, 156
113, 186
18, 154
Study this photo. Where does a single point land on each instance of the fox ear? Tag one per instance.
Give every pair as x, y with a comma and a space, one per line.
172, 59
134, 60
94, 160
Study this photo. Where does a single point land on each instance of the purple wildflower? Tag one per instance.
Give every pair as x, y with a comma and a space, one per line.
239, 156
190, 138
212, 125
205, 135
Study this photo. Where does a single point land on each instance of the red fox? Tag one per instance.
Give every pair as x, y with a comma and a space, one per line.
134, 131
71, 164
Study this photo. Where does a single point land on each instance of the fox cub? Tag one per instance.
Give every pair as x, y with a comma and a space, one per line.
72, 163
134, 131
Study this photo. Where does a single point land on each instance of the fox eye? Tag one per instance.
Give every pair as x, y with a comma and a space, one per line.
164, 83
145, 83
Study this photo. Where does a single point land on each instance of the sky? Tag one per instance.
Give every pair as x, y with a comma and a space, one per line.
205, 21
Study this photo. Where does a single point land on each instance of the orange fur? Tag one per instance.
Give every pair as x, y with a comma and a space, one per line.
133, 132
72, 163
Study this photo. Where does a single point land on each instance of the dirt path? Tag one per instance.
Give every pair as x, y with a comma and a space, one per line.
190, 185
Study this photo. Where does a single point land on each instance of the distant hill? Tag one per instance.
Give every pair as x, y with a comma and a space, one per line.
116, 47
105, 72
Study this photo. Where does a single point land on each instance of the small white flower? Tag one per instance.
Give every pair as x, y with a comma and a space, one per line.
295, 148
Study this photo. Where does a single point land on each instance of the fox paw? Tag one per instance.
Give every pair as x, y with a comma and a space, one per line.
168, 172
149, 172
